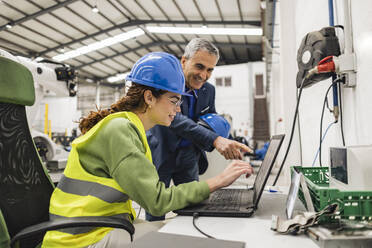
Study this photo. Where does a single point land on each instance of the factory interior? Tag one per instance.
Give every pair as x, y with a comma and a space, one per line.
185, 123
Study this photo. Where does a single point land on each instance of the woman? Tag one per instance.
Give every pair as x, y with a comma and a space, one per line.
111, 164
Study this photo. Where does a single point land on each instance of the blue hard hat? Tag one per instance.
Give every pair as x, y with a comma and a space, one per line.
260, 153
159, 70
217, 123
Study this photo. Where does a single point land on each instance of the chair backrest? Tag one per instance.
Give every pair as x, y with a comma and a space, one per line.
4, 235
25, 187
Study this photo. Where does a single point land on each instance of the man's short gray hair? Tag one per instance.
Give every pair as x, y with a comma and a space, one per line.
197, 44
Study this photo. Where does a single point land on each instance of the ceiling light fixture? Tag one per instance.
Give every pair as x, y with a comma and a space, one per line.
117, 78
100, 44
9, 25
95, 9
205, 30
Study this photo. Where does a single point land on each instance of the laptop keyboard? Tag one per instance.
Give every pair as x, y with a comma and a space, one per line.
226, 199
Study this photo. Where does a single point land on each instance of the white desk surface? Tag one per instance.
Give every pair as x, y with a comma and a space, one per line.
254, 231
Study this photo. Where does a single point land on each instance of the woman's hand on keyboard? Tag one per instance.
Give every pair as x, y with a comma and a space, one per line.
232, 172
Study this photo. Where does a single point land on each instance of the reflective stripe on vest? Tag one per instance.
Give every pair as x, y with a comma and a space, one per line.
83, 194
84, 188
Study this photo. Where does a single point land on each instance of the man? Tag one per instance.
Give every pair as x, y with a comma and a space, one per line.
178, 151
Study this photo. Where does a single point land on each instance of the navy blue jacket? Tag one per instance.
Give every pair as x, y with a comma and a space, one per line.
164, 140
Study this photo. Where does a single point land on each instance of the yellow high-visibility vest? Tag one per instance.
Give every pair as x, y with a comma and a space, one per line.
80, 193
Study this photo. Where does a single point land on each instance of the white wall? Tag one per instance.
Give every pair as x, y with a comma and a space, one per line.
237, 99
298, 17
276, 93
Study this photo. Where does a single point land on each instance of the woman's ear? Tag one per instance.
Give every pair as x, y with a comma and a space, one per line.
149, 98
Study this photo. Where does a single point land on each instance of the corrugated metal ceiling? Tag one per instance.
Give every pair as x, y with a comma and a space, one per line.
49, 27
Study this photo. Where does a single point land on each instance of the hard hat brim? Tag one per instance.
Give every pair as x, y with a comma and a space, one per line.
153, 85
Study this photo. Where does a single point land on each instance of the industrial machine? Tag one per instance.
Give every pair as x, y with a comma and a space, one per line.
315, 46
54, 79
319, 57
351, 168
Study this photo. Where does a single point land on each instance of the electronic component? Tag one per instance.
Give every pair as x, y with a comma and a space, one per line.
351, 168
315, 46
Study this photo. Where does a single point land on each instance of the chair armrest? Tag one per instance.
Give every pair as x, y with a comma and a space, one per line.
60, 223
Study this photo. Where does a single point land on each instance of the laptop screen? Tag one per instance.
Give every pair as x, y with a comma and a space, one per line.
268, 162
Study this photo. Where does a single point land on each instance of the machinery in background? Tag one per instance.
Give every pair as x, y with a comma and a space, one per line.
315, 46
350, 168
64, 139
53, 155
49, 79
319, 56
347, 180
54, 79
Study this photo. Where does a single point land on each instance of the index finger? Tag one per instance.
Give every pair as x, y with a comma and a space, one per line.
245, 148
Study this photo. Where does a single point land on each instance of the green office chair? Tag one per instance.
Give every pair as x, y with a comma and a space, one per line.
25, 186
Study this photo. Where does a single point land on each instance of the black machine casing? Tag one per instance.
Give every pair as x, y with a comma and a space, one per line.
319, 45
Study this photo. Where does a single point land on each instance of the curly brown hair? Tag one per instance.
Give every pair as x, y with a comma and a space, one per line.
132, 101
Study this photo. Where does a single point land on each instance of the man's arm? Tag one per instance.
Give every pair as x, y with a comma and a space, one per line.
186, 128
205, 139
200, 136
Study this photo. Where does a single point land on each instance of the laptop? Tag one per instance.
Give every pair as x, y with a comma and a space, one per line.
238, 202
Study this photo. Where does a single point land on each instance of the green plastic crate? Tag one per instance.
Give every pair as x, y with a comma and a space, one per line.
354, 205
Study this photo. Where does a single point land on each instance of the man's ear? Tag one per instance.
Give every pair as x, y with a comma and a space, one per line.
149, 97
183, 61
